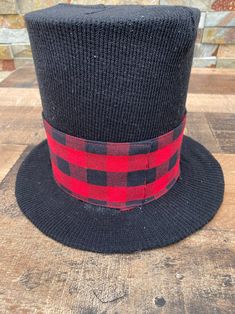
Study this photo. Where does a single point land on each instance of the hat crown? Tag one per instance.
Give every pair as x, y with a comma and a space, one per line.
113, 73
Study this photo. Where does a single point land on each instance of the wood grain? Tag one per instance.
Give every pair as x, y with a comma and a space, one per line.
19, 97
21, 125
24, 77
9, 155
39, 275
223, 127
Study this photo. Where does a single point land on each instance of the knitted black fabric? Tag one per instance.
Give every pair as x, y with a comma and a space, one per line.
116, 74
113, 73
190, 204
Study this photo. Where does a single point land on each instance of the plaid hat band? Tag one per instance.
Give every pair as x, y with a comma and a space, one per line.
117, 175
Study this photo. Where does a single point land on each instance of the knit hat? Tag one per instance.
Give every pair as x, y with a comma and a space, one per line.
116, 173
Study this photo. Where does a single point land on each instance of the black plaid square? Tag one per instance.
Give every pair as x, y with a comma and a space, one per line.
154, 146
177, 132
135, 178
99, 148
63, 165
138, 149
59, 137
151, 175
173, 160
97, 177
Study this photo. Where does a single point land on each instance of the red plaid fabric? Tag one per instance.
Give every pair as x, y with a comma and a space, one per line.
117, 175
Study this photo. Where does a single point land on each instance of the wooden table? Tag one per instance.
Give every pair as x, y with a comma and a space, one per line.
39, 275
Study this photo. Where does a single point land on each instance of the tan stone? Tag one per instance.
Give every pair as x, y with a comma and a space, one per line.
5, 52
12, 21
21, 51
219, 35
27, 6
203, 5
226, 51
8, 7
225, 63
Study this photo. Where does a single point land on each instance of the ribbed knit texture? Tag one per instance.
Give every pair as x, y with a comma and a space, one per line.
189, 205
116, 74
113, 73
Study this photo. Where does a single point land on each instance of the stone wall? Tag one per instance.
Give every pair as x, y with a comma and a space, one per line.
215, 45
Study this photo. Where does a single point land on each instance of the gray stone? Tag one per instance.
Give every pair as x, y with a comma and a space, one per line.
220, 19
205, 50
209, 62
226, 63
8, 36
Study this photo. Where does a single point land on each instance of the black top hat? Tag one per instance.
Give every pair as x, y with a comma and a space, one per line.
113, 82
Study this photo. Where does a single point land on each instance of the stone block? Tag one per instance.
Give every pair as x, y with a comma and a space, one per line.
202, 20
223, 5
200, 4
26, 6
199, 35
12, 21
205, 50
219, 35
9, 36
7, 65
225, 63
8, 7
5, 52
209, 62
220, 19
226, 51
21, 51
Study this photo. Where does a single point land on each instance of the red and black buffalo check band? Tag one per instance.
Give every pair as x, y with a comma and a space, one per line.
117, 175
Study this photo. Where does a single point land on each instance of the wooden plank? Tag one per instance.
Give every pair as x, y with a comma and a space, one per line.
207, 81
195, 102
223, 128
9, 155
212, 81
211, 103
23, 77
39, 275
197, 127
19, 97
21, 125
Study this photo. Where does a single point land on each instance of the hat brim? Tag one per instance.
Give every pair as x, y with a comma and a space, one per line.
189, 205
